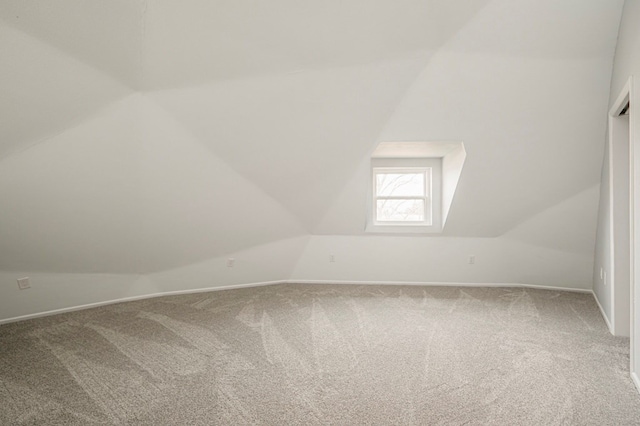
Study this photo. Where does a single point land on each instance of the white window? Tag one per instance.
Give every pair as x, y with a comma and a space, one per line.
405, 195
412, 186
402, 196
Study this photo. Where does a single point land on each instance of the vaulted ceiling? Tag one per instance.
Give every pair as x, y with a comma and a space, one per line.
136, 136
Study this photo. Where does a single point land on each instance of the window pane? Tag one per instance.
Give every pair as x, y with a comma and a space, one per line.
400, 210
400, 184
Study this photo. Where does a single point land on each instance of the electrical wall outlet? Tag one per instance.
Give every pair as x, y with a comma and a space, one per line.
332, 258
23, 283
231, 262
472, 259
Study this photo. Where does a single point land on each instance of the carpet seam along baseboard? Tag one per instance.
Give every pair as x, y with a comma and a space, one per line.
287, 281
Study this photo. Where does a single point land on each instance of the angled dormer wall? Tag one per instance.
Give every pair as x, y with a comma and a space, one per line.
144, 142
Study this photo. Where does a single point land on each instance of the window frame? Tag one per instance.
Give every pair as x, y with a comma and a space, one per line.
426, 197
409, 227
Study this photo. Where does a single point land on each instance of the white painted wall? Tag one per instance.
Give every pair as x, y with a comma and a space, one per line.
52, 292
128, 191
602, 257
46, 90
452, 166
611, 265
626, 64
57, 292
132, 131
265, 263
439, 260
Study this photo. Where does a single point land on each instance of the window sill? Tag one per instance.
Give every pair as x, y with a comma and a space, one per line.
402, 229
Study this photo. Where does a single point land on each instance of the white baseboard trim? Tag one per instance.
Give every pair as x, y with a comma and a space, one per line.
267, 283
604, 315
636, 381
440, 284
133, 298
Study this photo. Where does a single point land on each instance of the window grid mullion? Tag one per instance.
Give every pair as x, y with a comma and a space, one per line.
425, 197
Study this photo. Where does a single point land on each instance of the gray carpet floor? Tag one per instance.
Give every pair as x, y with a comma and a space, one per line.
340, 355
